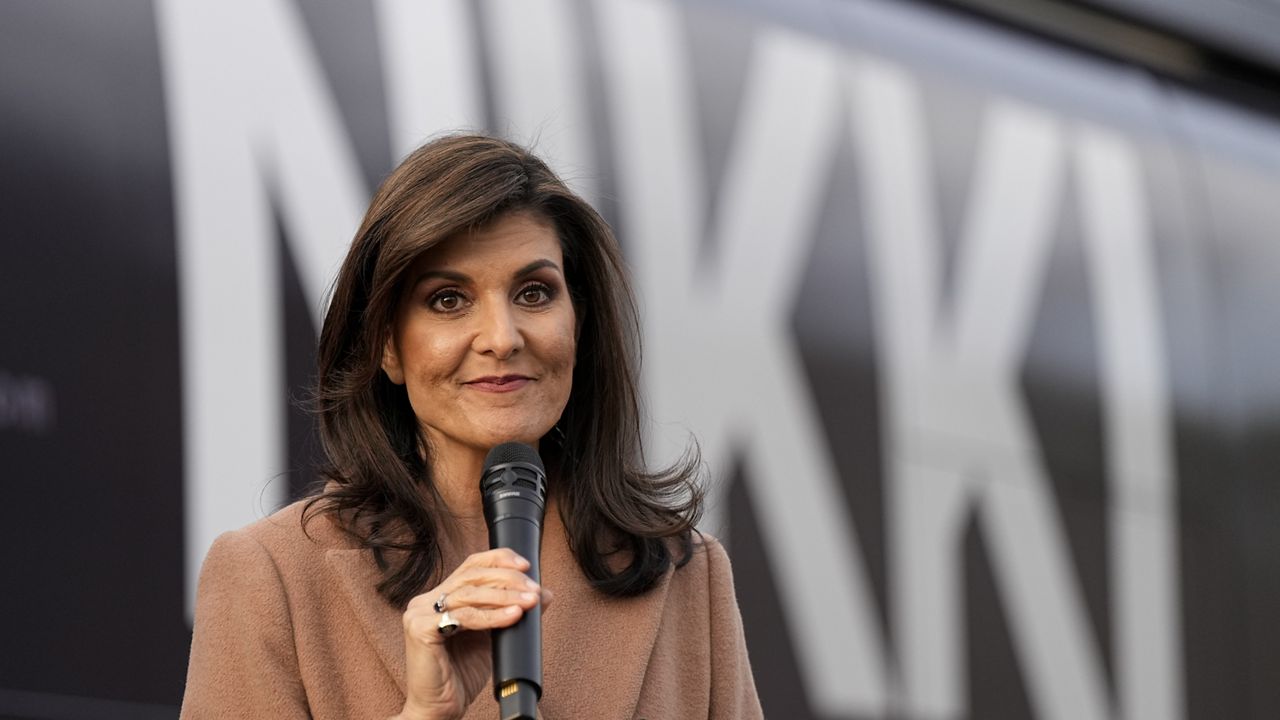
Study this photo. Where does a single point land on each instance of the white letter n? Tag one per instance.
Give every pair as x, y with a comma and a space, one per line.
250, 121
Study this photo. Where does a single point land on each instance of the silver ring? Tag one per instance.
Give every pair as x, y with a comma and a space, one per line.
447, 625
438, 605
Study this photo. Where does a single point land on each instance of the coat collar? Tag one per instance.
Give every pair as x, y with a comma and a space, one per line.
579, 625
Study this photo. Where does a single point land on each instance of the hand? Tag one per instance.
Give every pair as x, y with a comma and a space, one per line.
488, 590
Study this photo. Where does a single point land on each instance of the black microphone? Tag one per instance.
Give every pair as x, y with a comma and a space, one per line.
514, 489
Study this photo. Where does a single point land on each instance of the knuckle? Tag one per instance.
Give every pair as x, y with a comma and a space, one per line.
512, 578
415, 626
409, 618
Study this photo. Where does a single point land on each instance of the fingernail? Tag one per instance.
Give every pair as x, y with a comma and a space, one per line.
531, 584
527, 596
511, 610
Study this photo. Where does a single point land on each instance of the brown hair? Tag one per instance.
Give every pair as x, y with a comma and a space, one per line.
375, 457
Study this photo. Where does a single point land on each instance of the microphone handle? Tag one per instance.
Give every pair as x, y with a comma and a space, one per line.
517, 650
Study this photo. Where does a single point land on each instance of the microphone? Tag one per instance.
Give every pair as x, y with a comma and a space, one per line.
514, 488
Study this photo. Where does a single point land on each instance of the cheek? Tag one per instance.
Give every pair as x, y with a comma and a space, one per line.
556, 352
430, 357
439, 355
564, 350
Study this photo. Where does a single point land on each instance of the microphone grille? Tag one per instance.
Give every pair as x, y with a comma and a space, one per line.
513, 452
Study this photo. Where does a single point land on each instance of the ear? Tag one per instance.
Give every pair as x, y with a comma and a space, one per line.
391, 361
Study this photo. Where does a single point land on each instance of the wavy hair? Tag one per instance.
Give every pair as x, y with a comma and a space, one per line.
379, 483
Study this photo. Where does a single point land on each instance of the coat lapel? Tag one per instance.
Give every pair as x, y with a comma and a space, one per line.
358, 576
595, 648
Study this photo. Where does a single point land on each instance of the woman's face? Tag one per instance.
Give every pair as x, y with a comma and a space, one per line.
486, 335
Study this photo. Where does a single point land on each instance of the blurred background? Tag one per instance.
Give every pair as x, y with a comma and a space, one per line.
971, 304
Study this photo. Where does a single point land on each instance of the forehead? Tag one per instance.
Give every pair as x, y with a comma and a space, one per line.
510, 240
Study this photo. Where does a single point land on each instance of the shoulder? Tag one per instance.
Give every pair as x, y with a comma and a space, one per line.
708, 569
709, 553
281, 542
699, 664
299, 521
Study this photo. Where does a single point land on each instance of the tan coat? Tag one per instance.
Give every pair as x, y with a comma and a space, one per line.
290, 626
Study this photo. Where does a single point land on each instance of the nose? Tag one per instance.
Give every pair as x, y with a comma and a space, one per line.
498, 333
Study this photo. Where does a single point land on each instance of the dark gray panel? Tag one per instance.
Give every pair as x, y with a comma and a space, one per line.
92, 545
764, 616
1240, 179
343, 35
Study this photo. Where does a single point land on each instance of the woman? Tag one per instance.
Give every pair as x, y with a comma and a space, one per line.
481, 302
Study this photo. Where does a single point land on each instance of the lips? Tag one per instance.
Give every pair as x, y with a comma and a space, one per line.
499, 383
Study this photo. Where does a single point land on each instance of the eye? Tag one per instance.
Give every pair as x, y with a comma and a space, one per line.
446, 301
534, 294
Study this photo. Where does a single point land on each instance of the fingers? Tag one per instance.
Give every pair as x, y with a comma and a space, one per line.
425, 626
488, 590
486, 618
497, 568
496, 558
476, 585
524, 596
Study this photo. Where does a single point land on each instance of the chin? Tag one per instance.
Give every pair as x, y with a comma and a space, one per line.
529, 435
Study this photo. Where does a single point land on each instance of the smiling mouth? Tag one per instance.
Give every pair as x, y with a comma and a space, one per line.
504, 383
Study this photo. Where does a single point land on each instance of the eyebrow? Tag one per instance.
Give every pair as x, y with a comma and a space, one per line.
458, 277
537, 265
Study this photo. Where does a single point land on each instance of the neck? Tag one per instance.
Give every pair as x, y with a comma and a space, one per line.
455, 470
